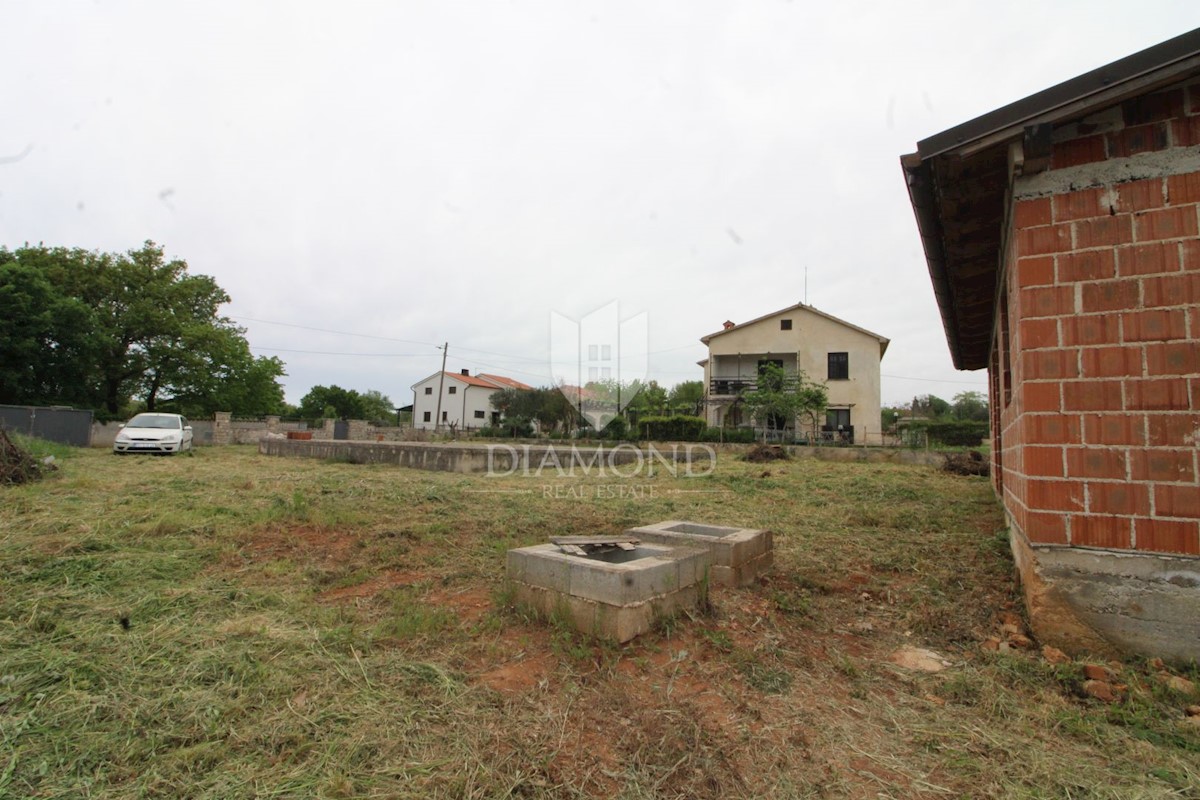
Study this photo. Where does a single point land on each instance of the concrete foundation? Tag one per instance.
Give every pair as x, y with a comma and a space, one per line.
614, 595
739, 555
1104, 603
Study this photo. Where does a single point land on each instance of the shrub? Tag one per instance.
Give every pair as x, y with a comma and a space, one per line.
616, 429
679, 428
730, 435
953, 433
511, 428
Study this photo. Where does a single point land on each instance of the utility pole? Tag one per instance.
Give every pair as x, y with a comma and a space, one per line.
437, 422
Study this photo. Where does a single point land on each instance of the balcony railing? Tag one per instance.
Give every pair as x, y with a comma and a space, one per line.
730, 387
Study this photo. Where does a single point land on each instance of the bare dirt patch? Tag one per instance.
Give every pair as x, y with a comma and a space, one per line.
520, 675
390, 579
311, 541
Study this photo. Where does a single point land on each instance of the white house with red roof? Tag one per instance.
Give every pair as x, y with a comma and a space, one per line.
459, 399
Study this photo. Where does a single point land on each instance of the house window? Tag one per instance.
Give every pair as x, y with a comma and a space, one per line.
453, 390
839, 366
428, 390
479, 415
837, 419
785, 324
444, 413
427, 413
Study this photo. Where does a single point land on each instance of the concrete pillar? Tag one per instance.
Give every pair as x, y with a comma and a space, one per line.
222, 427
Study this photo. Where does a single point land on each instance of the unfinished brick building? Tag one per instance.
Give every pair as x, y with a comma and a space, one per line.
1061, 235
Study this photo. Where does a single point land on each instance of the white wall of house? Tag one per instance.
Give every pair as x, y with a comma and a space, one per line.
813, 336
475, 406
462, 403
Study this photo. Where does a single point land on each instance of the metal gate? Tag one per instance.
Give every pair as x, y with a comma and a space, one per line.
341, 429
54, 423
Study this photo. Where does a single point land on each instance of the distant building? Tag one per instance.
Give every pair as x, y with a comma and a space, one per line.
828, 350
465, 400
1061, 233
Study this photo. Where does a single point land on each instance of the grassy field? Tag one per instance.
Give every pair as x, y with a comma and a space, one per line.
229, 625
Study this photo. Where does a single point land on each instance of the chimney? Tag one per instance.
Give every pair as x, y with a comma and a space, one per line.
728, 324
466, 372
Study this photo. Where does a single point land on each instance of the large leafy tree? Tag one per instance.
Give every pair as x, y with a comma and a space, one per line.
548, 406
334, 402
121, 328
46, 354
377, 406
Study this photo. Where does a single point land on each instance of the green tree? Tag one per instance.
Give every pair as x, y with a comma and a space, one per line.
972, 406
929, 405
332, 401
46, 355
377, 407
687, 398
650, 400
779, 399
102, 330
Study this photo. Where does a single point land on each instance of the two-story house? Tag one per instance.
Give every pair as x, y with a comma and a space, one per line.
826, 349
464, 402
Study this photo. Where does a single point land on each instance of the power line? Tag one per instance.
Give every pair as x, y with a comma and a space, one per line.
927, 380
331, 353
326, 330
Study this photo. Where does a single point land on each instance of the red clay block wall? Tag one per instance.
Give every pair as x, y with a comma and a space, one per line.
1099, 438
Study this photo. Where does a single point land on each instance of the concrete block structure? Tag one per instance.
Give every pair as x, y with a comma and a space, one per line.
1061, 235
739, 555
613, 595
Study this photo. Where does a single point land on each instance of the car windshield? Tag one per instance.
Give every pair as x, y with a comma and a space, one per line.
154, 421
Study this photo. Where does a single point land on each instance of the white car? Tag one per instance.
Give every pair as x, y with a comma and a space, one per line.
154, 433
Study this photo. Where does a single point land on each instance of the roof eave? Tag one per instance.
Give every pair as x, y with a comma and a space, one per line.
921, 196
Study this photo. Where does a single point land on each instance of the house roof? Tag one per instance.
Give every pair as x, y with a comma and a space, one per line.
958, 181
503, 381
883, 341
576, 393
484, 381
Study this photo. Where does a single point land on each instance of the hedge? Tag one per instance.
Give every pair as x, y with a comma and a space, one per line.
953, 433
679, 428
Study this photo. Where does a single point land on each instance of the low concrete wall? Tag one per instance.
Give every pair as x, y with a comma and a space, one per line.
623, 460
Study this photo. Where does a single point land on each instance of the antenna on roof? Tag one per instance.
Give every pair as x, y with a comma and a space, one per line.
806, 284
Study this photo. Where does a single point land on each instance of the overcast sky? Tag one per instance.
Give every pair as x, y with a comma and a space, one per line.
367, 180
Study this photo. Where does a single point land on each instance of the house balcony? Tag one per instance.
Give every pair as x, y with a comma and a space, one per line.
731, 387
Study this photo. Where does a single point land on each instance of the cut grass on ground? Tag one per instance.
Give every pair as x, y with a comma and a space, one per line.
232, 625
